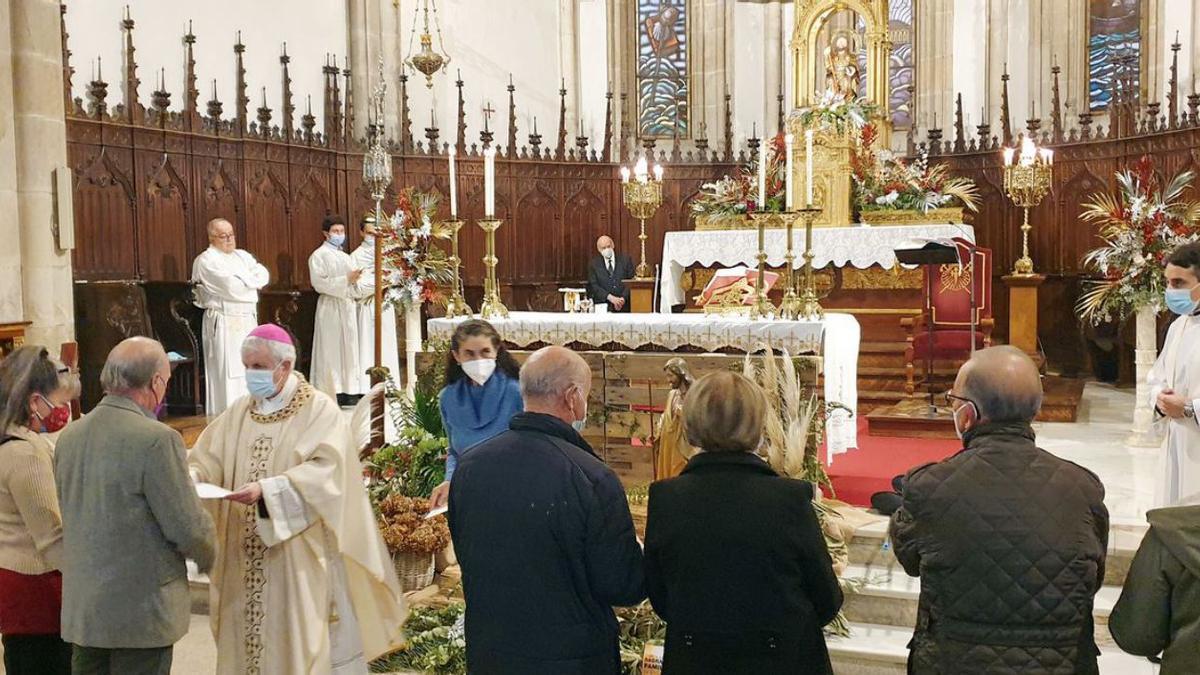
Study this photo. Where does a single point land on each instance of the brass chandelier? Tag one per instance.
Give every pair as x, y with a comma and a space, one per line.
427, 61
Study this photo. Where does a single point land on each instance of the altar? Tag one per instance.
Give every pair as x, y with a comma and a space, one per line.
858, 246
626, 353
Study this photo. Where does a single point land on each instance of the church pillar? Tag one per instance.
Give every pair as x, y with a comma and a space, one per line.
1155, 37
11, 306
934, 63
773, 59
374, 27
710, 60
40, 131
568, 61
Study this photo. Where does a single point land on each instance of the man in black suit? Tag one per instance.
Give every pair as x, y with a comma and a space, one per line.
605, 274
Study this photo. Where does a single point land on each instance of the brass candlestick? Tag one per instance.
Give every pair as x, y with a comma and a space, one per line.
457, 305
492, 307
642, 196
1027, 181
789, 308
810, 306
762, 307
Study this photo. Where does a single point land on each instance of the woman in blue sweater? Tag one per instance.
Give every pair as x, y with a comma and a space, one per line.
481, 395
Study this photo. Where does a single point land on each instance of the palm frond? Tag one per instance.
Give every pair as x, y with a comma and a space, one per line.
1174, 190
1090, 306
1101, 208
964, 190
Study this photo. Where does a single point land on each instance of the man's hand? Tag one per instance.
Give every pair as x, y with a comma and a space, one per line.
1171, 404
440, 495
248, 494
616, 301
353, 276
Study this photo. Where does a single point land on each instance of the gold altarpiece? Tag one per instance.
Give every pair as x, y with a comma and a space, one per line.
832, 149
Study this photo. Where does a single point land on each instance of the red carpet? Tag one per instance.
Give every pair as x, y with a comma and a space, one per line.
869, 468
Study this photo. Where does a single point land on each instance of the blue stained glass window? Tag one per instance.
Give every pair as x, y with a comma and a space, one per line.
901, 68
1114, 47
662, 68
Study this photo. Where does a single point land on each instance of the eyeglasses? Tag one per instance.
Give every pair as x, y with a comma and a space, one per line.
949, 397
224, 237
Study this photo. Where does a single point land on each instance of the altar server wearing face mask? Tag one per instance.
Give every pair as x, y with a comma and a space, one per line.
481, 395
1173, 394
337, 366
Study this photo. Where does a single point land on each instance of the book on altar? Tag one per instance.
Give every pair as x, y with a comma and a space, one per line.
739, 281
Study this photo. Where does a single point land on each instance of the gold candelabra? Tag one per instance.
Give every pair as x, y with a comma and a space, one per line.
1027, 181
457, 305
809, 304
642, 197
762, 307
789, 307
492, 307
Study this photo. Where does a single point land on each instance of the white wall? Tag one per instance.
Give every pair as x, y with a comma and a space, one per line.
319, 28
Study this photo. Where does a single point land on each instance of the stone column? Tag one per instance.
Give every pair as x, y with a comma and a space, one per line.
41, 147
934, 64
709, 62
568, 59
772, 53
371, 28
11, 308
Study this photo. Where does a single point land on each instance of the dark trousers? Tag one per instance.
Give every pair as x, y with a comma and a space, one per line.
36, 655
93, 661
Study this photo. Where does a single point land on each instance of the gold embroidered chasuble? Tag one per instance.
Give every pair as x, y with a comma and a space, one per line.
280, 587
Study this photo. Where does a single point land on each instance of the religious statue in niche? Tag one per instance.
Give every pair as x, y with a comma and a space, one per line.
841, 67
671, 449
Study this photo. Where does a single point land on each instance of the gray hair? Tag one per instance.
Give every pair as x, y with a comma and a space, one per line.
543, 382
124, 373
26, 371
279, 351
999, 403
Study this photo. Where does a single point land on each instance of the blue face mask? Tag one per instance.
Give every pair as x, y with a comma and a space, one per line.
260, 383
1179, 301
337, 240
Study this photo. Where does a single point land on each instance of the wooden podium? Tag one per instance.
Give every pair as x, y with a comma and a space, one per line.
641, 295
1023, 313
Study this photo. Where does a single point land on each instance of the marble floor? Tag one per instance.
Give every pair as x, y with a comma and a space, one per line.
1097, 441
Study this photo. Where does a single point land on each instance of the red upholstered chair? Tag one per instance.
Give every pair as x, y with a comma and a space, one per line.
948, 308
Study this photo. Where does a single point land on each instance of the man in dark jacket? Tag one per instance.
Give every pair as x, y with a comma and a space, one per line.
1159, 608
544, 537
1009, 540
605, 274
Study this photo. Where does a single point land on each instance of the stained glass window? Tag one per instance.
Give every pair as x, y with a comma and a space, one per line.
1114, 46
900, 66
662, 68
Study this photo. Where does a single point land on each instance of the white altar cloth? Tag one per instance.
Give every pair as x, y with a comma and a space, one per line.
859, 246
835, 338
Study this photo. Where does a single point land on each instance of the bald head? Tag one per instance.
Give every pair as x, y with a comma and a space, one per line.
221, 236
556, 381
135, 365
1003, 382
604, 242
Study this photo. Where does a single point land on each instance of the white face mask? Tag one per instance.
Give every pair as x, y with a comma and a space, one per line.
607, 253
957, 429
579, 424
479, 370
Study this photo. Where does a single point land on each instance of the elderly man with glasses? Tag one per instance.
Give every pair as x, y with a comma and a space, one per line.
227, 281
1009, 540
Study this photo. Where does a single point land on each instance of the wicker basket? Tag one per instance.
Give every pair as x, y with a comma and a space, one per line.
415, 570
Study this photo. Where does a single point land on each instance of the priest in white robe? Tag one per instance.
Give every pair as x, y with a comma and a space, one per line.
364, 259
1175, 383
227, 280
337, 366
302, 582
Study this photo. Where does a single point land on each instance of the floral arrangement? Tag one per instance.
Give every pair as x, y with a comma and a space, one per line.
837, 113
405, 528
411, 466
732, 197
413, 266
885, 181
1140, 225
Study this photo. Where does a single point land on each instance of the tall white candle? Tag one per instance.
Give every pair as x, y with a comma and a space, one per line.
453, 188
789, 143
489, 182
762, 178
808, 168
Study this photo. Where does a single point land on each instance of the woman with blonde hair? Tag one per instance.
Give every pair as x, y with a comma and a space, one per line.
735, 560
35, 401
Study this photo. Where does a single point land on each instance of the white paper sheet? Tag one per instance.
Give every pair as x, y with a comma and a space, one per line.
437, 512
210, 491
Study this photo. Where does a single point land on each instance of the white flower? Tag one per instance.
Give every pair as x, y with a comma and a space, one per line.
414, 289
426, 227
1135, 208
410, 256
888, 199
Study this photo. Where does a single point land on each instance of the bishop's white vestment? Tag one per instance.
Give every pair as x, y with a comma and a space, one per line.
337, 366
364, 259
227, 286
1178, 368
310, 588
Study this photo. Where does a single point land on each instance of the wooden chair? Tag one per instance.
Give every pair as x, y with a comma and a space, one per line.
948, 307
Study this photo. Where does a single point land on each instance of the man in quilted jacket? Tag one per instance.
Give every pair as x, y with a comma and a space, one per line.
1009, 540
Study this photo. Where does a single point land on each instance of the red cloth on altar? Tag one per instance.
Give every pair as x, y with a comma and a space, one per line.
30, 604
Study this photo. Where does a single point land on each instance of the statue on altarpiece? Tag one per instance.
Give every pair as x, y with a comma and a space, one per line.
672, 450
841, 68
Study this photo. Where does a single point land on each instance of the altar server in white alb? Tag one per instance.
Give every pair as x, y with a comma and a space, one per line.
337, 368
302, 581
227, 282
364, 259
1175, 382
